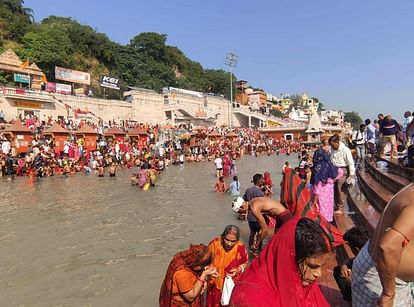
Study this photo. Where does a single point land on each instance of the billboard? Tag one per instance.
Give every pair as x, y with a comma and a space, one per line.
51, 87
22, 78
110, 82
73, 76
63, 89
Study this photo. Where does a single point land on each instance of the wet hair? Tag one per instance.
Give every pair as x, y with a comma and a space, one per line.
231, 229
257, 177
356, 237
334, 138
310, 240
221, 178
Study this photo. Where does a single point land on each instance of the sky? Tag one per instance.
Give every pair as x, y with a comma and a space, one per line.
352, 55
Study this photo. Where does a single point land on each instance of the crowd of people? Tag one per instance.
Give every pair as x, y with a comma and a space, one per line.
284, 272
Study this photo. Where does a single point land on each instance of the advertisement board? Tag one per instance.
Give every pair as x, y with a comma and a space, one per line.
63, 89
22, 78
73, 76
51, 87
110, 82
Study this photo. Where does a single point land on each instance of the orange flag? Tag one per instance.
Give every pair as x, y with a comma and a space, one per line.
24, 64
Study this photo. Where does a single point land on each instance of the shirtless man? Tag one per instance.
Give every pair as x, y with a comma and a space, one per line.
384, 268
259, 206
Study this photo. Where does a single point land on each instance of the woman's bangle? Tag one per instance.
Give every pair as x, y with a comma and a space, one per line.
241, 268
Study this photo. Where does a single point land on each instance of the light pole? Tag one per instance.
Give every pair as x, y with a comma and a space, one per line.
231, 61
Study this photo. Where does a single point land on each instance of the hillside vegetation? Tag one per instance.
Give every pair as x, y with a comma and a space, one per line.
146, 61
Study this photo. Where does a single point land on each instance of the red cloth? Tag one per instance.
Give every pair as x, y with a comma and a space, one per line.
295, 196
273, 279
267, 179
181, 261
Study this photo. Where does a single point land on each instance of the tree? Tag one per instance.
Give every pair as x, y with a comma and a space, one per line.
276, 112
150, 44
353, 118
48, 46
15, 19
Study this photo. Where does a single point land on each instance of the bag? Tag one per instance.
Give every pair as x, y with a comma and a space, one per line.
227, 290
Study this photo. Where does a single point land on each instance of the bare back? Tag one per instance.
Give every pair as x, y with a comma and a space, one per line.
398, 216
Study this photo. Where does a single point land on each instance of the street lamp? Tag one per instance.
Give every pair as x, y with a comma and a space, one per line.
231, 61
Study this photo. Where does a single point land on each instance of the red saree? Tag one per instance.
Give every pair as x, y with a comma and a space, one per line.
224, 261
273, 278
295, 196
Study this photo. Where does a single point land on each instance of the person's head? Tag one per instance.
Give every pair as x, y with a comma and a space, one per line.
334, 141
258, 179
367, 122
407, 114
311, 250
380, 116
221, 178
287, 163
362, 127
356, 237
235, 178
325, 145
230, 237
197, 257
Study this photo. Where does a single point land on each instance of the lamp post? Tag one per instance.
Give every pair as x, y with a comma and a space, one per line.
231, 61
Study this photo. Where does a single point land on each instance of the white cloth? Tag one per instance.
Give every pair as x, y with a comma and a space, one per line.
219, 163
227, 290
343, 158
5, 147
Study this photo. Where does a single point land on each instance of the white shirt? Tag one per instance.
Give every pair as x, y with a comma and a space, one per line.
218, 162
359, 137
343, 158
5, 147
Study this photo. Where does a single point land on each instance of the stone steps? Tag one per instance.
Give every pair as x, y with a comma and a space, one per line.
394, 182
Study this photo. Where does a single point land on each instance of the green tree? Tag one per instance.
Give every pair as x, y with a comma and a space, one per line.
150, 44
276, 112
48, 46
15, 19
353, 118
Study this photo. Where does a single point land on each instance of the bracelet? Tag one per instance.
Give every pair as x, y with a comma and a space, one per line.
241, 268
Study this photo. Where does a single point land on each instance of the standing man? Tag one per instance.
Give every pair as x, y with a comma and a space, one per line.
370, 137
341, 157
359, 139
254, 226
384, 269
218, 162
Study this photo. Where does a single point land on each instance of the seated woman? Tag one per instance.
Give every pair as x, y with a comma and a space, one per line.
286, 271
230, 257
220, 185
186, 277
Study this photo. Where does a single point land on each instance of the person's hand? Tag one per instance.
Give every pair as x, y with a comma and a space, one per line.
233, 272
350, 180
210, 271
346, 273
385, 300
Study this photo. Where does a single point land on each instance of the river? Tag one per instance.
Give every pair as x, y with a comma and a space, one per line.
88, 241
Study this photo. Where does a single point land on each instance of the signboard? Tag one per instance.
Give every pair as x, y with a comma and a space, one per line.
22, 78
73, 76
28, 104
51, 87
110, 82
79, 91
63, 88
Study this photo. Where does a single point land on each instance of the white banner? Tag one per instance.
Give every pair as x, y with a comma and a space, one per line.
63, 88
73, 76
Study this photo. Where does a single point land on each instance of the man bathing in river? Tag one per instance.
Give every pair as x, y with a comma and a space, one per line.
258, 207
384, 268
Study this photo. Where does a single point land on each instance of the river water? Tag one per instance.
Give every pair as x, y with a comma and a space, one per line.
88, 241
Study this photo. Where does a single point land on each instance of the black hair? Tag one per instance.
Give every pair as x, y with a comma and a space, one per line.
231, 229
257, 177
310, 240
356, 237
235, 178
367, 121
334, 138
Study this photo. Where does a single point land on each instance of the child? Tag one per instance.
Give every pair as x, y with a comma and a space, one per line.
356, 237
235, 187
221, 185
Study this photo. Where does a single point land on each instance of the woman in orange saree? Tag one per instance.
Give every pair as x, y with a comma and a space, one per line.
230, 257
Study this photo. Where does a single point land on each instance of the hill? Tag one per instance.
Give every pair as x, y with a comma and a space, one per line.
146, 61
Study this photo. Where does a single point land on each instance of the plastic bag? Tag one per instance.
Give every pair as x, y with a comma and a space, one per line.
227, 290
